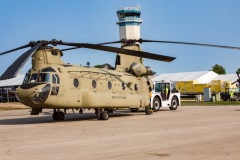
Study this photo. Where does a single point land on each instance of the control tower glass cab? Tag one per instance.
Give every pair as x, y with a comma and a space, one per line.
129, 22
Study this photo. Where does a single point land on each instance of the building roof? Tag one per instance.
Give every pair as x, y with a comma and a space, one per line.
17, 81
202, 77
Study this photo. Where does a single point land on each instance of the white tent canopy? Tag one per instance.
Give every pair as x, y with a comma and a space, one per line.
201, 77
17, 81
227, 77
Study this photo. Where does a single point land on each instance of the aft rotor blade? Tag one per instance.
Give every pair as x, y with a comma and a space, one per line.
238, 74
120, 50
12, 50
67, 49
234, 82
13, 70
196, 44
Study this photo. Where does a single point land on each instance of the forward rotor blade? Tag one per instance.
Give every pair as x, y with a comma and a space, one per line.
120, 50
12, 50
13, 70
196, 44
67, 49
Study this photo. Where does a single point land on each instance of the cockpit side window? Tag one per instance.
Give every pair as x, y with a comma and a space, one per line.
26, 78
33, 77
54, 80
58, 79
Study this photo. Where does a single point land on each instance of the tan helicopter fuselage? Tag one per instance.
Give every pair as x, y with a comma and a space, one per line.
67, 86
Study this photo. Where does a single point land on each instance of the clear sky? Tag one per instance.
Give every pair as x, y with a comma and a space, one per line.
94, 21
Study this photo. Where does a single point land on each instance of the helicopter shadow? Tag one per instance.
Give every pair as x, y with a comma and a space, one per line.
46, 117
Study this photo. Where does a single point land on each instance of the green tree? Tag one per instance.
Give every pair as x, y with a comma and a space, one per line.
238, 70
98, 66
218, 69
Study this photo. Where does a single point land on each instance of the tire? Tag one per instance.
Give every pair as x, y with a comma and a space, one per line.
134, 109
54, 116
98, 114
60, 116
156, 104
174, 104
104, 115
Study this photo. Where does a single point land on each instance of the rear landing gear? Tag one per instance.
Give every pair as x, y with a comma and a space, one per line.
102, 115
58, 115
148, 110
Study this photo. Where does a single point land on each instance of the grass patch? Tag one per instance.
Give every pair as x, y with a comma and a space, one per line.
220, 103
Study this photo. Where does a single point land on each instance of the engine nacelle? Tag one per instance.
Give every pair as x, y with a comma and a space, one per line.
138, 69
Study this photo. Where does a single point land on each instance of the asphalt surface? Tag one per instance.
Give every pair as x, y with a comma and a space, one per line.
191, 132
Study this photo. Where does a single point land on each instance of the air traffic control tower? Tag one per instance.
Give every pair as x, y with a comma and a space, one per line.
129, 22
129, 28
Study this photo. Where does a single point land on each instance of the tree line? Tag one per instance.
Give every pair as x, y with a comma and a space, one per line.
220, 69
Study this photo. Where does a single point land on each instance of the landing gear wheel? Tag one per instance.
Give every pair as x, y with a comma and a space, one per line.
156, 104
104, 115
174, 104
98, 114
54, 116
134, 109
60, 116
148, 110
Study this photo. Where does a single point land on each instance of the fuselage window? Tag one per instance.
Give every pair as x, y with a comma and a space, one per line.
136, 87
123, 86
109, 85
75, 82
94, 84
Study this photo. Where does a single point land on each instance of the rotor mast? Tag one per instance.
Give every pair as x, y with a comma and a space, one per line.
129, 28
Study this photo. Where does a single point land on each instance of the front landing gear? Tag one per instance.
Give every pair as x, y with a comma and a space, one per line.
58, 115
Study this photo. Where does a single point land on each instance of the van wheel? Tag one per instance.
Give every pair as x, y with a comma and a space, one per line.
174, 103
156, 104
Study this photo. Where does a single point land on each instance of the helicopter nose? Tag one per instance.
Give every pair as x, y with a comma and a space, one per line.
26, 93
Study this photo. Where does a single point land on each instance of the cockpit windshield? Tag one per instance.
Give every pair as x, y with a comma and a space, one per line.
43, 77
37, 77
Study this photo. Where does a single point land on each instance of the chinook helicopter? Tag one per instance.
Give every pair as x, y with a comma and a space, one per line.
53, 84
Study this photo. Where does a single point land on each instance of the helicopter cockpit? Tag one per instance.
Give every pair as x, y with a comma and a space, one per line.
43, 76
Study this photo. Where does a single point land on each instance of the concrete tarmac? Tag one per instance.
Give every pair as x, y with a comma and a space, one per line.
191, 132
